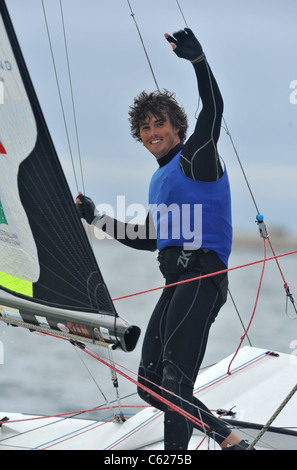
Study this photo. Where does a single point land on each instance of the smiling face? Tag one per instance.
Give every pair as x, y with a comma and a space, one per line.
158, 135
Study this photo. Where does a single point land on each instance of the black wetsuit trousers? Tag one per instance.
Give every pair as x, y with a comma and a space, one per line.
173, 350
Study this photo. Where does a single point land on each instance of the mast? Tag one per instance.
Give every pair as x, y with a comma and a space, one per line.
46, 262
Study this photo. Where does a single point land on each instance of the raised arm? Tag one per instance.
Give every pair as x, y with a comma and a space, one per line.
200, 159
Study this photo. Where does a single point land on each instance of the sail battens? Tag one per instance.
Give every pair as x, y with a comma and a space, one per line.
45, 255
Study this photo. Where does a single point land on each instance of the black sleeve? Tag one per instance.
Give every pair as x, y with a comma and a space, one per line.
140, 237
199, 158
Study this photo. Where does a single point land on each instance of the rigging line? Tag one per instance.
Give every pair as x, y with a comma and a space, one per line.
196, 116
120, 417
88, 229
143, 45
206, 275
254, 310
187, 415
289, 295
264, 234
184, 18
230, 136
63, 416
72, 95
59, 91
236, 369
182, 13
75, 413
239, 316
100, 359
114, 366
107, 402
137, 428
286, 286
240, 164
203, 426
148, 390
273, 417
71, 435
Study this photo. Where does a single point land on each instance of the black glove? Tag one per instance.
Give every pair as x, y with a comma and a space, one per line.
188, 46
86, 210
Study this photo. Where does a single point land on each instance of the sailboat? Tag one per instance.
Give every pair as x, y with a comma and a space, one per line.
51, 283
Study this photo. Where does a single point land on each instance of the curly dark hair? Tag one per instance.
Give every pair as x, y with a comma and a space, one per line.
157, 103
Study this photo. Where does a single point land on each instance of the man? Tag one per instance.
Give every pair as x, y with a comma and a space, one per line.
190, 208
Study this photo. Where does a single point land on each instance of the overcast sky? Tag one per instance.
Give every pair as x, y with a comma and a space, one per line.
251, 47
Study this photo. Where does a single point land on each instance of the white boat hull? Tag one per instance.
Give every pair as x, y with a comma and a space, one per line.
257, 386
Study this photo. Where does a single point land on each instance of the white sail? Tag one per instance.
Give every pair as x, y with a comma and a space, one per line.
18, 133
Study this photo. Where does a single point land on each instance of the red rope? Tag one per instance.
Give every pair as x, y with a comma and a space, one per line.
148, 390
159, 397
207, 275
254, 310
235, 371
68, 413
286, 286
135, 382
76, 434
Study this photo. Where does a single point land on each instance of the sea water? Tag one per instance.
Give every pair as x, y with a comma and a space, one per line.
43, 375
